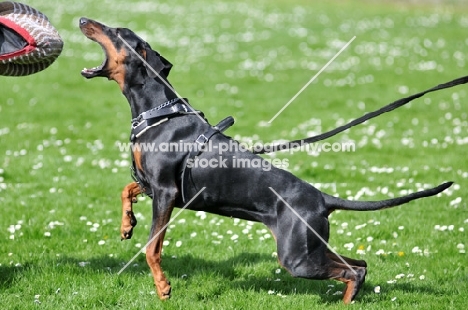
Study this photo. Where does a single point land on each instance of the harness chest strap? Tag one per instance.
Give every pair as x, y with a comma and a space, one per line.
153, 118
197, 149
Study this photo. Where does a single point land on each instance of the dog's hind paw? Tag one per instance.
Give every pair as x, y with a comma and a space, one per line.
352, 287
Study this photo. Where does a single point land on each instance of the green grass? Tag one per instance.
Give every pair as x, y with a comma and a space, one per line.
62, 174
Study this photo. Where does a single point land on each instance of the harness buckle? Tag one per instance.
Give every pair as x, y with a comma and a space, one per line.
201, 140
178, 108
137, 123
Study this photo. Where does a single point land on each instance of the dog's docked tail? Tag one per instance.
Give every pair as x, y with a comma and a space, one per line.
335, 203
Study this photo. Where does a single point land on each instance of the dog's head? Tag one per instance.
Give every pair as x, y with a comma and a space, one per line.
128, 57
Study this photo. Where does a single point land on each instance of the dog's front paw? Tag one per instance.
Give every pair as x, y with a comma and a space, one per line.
126, 228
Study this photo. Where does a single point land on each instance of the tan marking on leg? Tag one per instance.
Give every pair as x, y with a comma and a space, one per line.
353, 283
137, 157
153, 257
129, 194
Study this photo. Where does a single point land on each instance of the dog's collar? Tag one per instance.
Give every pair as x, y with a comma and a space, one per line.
158, 115
168, 107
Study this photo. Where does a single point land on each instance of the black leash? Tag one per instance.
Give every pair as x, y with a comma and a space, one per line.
390, 107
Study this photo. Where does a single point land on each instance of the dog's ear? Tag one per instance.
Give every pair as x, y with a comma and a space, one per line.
167, 65
158, 65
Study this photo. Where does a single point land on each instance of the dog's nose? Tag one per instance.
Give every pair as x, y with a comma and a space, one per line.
83, 21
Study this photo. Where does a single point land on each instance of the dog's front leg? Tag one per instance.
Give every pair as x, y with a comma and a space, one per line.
162, 209
129, 194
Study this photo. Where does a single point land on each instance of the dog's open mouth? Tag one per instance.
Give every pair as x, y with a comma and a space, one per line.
95, 71
88, 30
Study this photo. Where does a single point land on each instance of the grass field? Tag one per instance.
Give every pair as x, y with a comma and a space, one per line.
61, 172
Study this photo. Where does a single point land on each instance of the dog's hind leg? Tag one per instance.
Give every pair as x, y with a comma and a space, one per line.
350, 261
325, 268
128, 196
302, 250
162, 210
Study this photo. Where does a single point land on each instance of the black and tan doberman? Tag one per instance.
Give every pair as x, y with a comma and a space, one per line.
294, 211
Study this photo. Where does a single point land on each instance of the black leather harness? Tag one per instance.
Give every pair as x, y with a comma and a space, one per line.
197, 149
162, 113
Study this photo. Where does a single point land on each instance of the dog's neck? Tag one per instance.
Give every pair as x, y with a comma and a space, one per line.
144, 97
